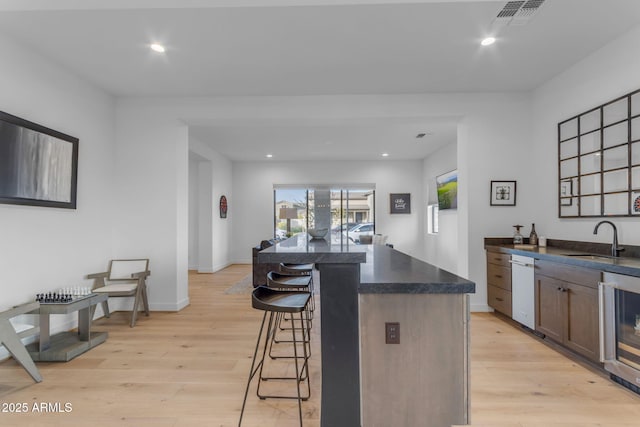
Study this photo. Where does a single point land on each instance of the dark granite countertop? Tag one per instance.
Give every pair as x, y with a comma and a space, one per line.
300, 249
390, 271
583, 254
383, 270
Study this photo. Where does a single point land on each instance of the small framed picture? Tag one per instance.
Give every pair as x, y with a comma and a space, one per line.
400, 203
566, 191
503, 193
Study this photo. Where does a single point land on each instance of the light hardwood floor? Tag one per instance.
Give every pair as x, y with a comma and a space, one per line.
190, 369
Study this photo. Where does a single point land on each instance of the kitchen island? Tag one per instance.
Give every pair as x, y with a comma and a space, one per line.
365, 381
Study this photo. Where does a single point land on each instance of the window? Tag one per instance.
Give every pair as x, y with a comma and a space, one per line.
338, 210
290, 211
432, 218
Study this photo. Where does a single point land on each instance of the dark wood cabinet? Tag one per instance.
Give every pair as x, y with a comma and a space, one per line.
582, 330
499, 282
549, 303
567, 306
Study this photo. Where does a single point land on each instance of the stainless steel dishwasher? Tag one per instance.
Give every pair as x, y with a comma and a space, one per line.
523, 290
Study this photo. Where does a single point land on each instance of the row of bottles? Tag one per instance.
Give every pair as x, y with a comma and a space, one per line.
518, 239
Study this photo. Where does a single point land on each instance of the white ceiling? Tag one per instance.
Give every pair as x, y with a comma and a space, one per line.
335, 140
324, 47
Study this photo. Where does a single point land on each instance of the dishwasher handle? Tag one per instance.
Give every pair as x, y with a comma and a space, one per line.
522, 264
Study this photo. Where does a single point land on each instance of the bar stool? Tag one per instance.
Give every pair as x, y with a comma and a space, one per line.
303, 269
300, 270
288, 282
273, 302
293, 282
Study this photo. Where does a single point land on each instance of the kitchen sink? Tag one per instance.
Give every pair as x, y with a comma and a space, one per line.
592, 256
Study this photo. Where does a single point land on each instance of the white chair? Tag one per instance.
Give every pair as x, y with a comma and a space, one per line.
125, 278
11, 334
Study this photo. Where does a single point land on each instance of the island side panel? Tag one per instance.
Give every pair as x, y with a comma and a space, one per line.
424, 379
340, 345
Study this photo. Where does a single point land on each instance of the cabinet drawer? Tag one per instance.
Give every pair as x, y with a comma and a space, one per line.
499, 299
569, 273
499, 276
498, 258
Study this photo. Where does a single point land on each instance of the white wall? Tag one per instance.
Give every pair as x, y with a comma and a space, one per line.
214, 233
441, 249
493, 144
151, 192
603, 76
253, 189
44, 249
194, 199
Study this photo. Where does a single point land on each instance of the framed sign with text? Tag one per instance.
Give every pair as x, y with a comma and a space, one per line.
400, 203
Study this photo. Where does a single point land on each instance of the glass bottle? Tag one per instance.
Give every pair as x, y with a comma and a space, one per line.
533, 237
517, 237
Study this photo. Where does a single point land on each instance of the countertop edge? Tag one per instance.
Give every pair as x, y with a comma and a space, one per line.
417, 288
312, 257
610, 267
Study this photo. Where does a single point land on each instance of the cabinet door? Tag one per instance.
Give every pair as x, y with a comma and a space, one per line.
549, 307
499, 276
499, 299
582, 332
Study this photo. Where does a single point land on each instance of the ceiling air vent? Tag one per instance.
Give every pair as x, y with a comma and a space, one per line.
517, 12
526, 12
510, 9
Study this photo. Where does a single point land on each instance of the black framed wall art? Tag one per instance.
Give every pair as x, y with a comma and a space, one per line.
503, 193
400, 203
38, 165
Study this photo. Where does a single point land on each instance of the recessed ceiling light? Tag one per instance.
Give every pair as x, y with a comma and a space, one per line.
157, 48
268, 156
488, 41
385, 154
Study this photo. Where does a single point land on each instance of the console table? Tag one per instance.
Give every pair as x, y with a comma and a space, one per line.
65, 346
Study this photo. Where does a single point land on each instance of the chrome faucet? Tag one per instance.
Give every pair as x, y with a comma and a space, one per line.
615, 249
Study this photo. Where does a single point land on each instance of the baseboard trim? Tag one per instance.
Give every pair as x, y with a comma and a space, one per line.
480, 308
220, 267
169, 306
216, 268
